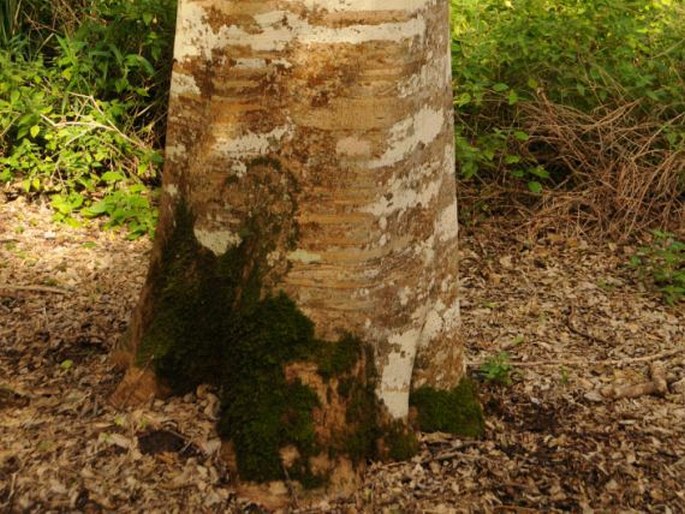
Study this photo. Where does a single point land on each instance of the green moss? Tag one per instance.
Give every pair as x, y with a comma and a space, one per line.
400, 442
337, 359
362, 413
456, 411
210, 324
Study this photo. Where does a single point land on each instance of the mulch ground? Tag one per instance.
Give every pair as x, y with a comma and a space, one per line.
575, 323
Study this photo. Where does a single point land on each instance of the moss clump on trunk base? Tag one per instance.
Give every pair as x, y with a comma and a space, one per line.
210, 322
456, 411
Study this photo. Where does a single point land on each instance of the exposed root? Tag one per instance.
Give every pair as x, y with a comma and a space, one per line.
657, 385
6, 289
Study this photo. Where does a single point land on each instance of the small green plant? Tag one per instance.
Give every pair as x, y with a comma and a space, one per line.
662, 265
130, 208
497, 369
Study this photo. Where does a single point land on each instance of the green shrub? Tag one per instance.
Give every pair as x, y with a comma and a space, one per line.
83, 108
585, 68
580, 52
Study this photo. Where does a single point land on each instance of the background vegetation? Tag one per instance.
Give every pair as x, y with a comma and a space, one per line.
83, 86
569, 112
583, 97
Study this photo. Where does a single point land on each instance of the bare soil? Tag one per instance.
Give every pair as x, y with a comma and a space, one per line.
571, 316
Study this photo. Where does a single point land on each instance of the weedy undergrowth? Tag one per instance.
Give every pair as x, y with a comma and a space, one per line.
82, 105
661, 265
497, 369
559, 95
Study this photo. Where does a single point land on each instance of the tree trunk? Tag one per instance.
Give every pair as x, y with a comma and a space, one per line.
305, 261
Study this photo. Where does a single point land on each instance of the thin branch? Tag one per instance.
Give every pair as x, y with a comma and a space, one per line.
586, 362
36, 289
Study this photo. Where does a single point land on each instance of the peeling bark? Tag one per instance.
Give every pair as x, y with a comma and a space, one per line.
325, 126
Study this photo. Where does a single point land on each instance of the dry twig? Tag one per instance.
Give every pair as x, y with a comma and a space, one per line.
624, 175
585, 362
36, 289
657, 385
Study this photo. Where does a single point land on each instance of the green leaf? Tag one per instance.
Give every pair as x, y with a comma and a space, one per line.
500, 86
535, 187
512, 159
462, 100
512, 97
520, 135
539, 172
97, 209
112, 176
34, 131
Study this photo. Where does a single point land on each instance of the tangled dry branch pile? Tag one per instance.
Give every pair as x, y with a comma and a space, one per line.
621, 175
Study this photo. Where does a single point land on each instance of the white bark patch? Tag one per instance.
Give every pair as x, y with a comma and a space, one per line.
368, 5
397, 402
195, 38
404, 195
446, 226
353, 147
438, 71
396, 374
256, 64
304, 256
182, 84
434, 322
238, 168
355, 34
273, 257
171, 190
191, 33
427, 250
218, 241
452, 317
406, 135
440, 320
249, 143
173, 151
403, 295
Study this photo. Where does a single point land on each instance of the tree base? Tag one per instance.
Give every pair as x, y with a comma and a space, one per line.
138, 386
344, 477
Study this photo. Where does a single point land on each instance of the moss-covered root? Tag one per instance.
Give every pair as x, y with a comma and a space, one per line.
456, 411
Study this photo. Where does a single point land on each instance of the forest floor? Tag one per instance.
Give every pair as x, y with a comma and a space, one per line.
570, 314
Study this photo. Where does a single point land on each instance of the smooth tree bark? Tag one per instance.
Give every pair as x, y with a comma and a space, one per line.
306, 257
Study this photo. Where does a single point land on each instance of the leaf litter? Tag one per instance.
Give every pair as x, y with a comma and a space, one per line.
575, 325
